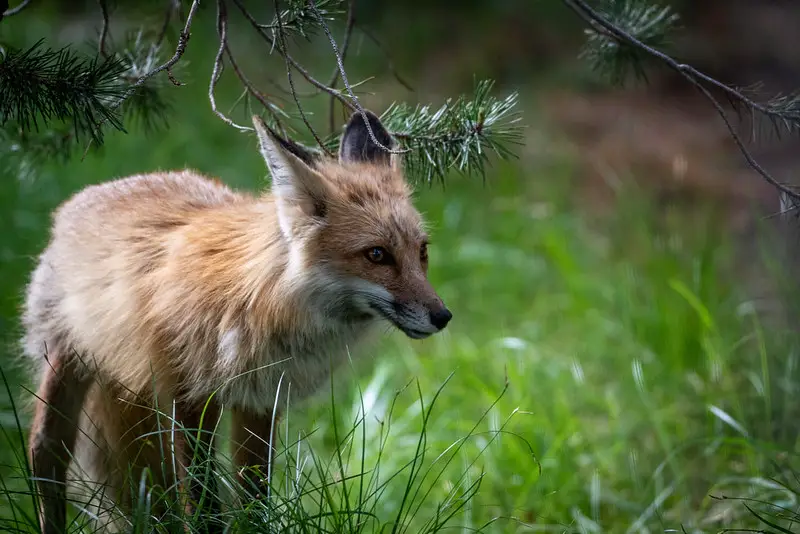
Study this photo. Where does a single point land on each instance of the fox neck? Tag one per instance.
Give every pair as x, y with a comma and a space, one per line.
272, 282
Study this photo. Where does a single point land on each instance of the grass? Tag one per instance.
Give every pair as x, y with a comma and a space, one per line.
598, 376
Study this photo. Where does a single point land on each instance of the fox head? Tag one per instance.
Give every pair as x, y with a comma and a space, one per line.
350, 220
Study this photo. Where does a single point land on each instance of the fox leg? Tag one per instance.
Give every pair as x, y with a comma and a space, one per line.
195, 445
252, 452
61, 394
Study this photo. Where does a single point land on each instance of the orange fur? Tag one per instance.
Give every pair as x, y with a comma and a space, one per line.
166, 288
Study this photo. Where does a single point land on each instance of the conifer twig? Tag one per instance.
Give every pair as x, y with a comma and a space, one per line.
790, 114
43, 86
459, 135
180, 49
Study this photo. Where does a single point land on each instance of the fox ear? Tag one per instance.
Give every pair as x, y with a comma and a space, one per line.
300, 191
357, 146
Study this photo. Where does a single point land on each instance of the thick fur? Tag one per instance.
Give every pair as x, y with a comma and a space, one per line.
165, 288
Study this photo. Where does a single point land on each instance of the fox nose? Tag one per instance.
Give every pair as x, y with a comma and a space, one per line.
441, 317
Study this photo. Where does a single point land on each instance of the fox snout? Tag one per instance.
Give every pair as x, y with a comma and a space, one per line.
440, 317
418, 320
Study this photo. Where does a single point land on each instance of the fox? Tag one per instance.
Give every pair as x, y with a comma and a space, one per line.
172, 290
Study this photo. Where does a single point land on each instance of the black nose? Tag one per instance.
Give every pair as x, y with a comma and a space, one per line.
440, 318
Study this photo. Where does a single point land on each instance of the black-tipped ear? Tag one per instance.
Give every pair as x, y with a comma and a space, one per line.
357, 146
302, 153
295, 184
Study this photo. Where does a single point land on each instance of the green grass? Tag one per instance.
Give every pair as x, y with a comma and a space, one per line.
598, 376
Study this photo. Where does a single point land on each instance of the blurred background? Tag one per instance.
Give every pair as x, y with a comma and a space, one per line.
625, 277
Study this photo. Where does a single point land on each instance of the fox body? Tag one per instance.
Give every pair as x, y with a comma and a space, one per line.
166, 288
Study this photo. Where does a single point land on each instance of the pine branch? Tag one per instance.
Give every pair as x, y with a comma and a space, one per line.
294, 64
615, 34
222, 31
40, 87
281, 40
42, 90
180, 49
148, 104
649, 24
460, 135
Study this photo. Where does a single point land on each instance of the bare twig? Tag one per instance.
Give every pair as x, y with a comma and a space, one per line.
101, 45
274, 110
299, 68
348, 32
222, 30
15, 10
171, 8
588, 14
282, 50
347, 84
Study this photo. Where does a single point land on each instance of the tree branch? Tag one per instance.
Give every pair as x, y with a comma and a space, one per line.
222, 31
388, 57
299, 68
101, 44
173, 5
347, 84
348, 32
180, 49
460, 135
282, 50
693, 76
274, 110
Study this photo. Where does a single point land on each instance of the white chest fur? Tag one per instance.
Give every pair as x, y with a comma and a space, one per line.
300, 364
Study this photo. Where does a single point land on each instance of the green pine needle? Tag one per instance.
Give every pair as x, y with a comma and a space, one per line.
782, 111
460, 135
41, 87
149, 104
649, 23
298, 17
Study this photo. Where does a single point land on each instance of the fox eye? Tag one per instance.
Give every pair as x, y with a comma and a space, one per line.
378, 255
423, 252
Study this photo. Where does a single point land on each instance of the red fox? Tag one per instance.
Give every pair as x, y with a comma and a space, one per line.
157, 290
